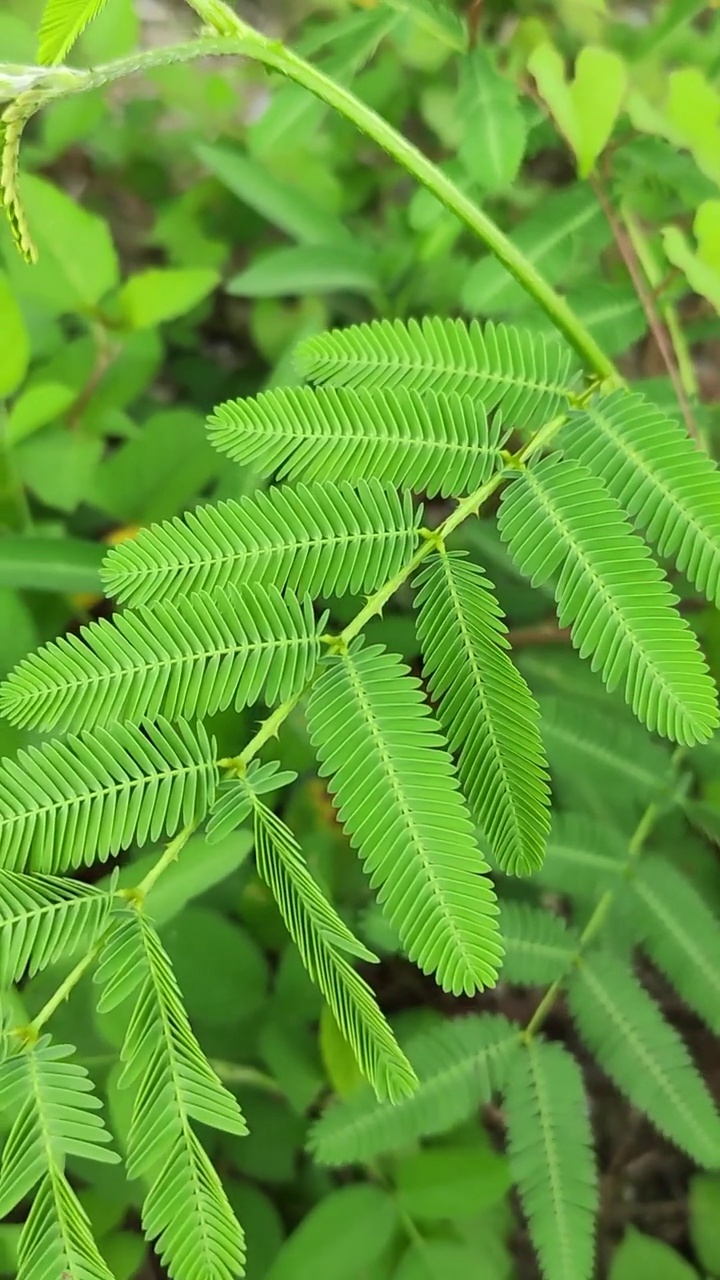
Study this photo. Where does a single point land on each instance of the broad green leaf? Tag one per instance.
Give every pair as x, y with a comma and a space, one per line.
436, 18
338, 1058
342, 1237
693, 111
704, 1206
703, 277
222, 973
446, 1260
276, 201
641, 1257
585, 110
114, 33
77, 264
451, 1182
159, 294
611, 312
61, 24
58, 466
65, 565
306, 269
707, 233
494, 132
15, 351
36, 407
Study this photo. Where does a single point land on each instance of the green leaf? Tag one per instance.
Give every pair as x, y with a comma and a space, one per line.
494, 131
329, 268
459, 1064
557, 516
644, 1055
43, 918
59, 466
551, 1156
393, 782
702, 276
693, 112
640, 1257
583, 857
162, 293
276, 201
51, 564
220, 970
445, 1260
434, 444
197, 869
15, 341
66, 278
57, 1236
436, 18
539, 946
586, 110
344, 1235
704, 1207
451, 1182
37, 406
61, 24
487, 711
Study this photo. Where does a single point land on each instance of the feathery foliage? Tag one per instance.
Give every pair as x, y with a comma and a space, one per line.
539, 946
555, 515
185, 1211
550, 1149
459, 1065
434, 444
644, 1055
398, 799
319, 539
325, 943
43, 918
55, 1114
61, 23
68, 803
491, 364
583, 857
191, 658
486, 709
669, 488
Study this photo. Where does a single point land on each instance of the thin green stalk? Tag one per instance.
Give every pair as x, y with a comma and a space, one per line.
14, 510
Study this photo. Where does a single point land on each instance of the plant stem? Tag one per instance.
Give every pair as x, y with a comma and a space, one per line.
66, 987
170, 855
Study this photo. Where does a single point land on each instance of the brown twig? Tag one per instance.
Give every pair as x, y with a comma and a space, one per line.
647, 301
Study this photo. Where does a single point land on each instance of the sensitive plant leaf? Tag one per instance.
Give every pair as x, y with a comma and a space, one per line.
539, 946
15, 340
434, 444
487, 711
163, 293
192, 658
57, 1237
669, 487
681, 935
459, 1064
550, 1148
494, 130
61, 23
43, 918
498, 366
70, 803
324, 943
644, 1055
236, 797
557, 515
584, 857
393, 782
320, 539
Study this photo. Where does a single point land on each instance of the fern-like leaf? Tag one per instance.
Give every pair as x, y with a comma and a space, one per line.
551, 1158
492, 364
186, 1211
433, 444
615, 598
72, 802
192, 658
57, 1238
644, 1055
669, 487
486, 709
584, 857
61, 23
539, 946
235, 802
324, 942
398, 798
681, 934
320, 539
43, 918
459, 1065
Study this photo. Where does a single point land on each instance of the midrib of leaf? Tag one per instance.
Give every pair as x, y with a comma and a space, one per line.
362, 439
603, 591
600, 861
378, 739
553, 1162
627, 1033
489, 721
671, 923
538, 948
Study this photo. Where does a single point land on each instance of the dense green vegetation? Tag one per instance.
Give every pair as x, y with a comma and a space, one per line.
358, 394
